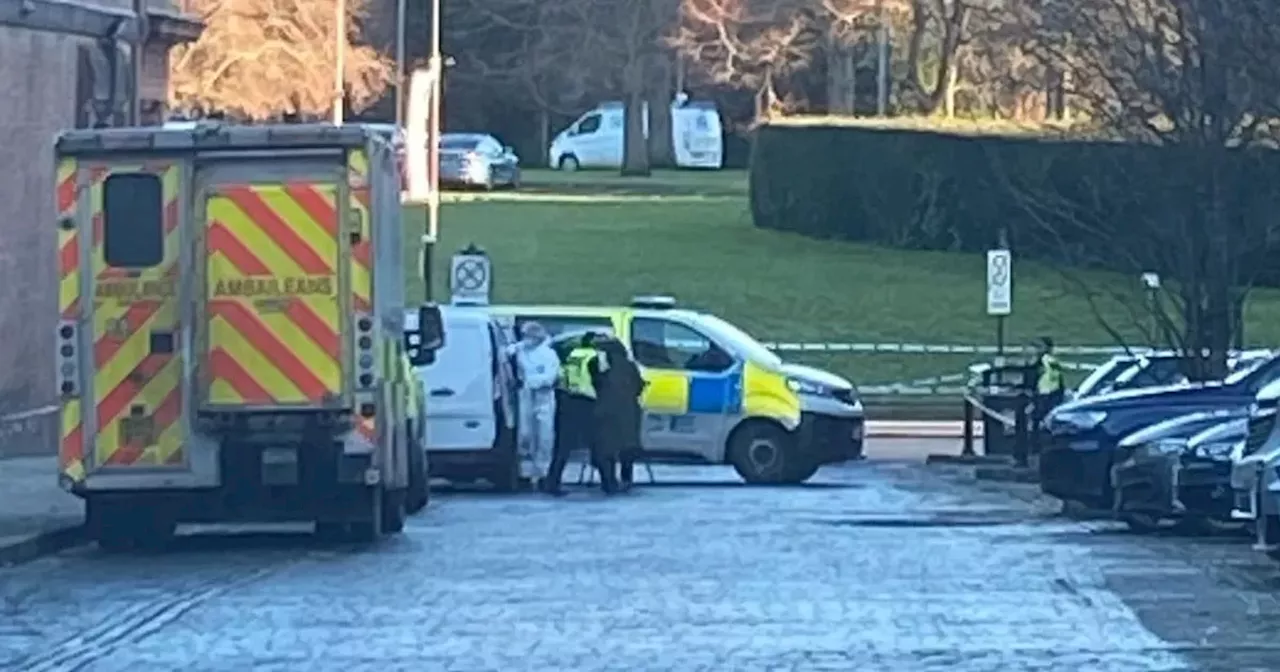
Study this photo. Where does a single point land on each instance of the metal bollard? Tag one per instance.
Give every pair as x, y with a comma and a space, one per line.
967, 449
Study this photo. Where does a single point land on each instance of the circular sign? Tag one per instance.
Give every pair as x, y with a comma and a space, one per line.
470, 275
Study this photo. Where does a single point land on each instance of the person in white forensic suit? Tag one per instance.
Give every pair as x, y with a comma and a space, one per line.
538, 369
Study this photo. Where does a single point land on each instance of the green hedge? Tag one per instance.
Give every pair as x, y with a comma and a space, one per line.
1071, 201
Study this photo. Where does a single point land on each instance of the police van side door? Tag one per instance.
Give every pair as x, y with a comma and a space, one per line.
693, 391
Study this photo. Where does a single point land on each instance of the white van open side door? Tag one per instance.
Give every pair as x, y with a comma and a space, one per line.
460, 388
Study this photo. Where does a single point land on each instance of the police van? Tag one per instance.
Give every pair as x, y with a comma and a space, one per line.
715, 395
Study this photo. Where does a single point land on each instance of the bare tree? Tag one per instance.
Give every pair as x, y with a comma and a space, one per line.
749, 44
628, 40
938, 29
537, 52
1193, 86
1166, 71
261, 58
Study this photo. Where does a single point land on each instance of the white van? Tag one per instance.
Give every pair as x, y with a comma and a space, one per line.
595, 139
470, 395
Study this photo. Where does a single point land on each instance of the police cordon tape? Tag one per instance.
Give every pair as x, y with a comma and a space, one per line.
946, 384
949, 349
28, 414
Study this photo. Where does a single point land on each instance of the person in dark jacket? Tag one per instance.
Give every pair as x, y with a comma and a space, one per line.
575, 414
617, 423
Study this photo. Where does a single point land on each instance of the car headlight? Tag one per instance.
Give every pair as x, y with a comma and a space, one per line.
1216, 450
808, 387
1162, 447
1080, 420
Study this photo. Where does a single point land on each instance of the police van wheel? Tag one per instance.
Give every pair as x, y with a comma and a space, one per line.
761, 454
568, 163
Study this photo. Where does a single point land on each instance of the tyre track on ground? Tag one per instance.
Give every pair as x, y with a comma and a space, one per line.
138, 621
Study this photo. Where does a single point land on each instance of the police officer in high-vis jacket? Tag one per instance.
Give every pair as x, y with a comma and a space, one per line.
575, 415
1050, 383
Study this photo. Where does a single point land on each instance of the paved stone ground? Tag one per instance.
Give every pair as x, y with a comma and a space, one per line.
878, 566
31, 502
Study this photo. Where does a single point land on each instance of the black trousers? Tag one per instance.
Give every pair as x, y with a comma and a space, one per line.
627, 466
576, 432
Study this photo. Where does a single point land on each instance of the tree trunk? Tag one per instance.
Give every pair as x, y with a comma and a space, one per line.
662, 152
544, 136
635, 149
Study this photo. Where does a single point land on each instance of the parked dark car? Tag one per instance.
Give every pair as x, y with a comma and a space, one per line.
1082, 436
1179, 469
1128, 372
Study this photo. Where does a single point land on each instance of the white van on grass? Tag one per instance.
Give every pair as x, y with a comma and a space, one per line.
595, 139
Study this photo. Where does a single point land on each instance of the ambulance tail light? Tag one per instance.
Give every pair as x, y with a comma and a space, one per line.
68, 359
366, 376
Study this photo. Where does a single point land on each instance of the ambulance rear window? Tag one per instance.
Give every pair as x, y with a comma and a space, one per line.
133, 220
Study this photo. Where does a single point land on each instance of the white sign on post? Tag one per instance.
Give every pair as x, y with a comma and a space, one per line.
999, 282
416, 140
470, 279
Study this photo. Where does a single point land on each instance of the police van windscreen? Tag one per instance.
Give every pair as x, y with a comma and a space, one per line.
739, 340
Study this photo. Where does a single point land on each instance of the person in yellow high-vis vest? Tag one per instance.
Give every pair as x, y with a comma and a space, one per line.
1050, 383
575, 416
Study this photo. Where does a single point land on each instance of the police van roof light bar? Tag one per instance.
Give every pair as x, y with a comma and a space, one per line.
656, 302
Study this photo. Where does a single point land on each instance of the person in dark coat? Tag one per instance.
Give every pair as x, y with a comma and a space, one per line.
618, 415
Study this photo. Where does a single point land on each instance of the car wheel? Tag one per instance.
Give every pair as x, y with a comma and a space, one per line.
569, 163
1208, 526
762, 454
1141, 523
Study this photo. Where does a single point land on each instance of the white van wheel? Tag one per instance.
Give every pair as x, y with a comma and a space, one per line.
568, 163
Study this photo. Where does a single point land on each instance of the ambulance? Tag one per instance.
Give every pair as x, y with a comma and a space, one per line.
231, 342
716, 395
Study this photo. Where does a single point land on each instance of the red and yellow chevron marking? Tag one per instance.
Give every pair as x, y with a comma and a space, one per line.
68, 240
361, 265
137, 393
71, 439
273, 309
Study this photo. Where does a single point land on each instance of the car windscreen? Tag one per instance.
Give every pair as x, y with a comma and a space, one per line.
1154, 372
458, 143
1264, 370
1103, 376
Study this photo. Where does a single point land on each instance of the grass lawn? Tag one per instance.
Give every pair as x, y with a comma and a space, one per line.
597, 238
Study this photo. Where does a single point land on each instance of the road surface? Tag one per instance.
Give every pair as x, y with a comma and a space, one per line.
879, 566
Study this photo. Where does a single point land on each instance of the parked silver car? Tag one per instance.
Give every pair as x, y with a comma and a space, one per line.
477, 160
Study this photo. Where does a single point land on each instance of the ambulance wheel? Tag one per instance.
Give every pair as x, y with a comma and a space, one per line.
761, 453
121, 524
568, 163
393, 512
369, 527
